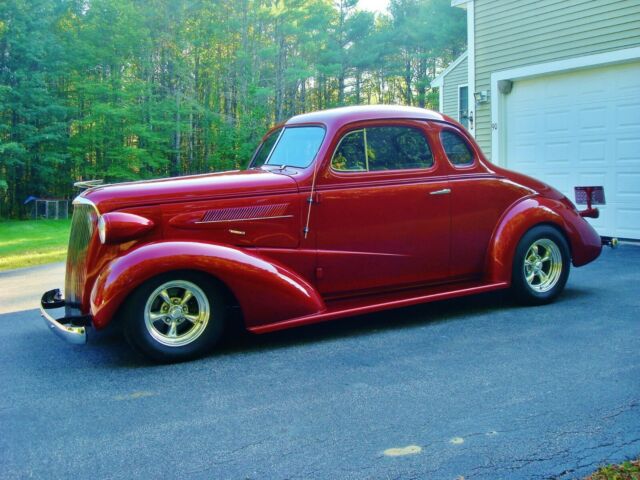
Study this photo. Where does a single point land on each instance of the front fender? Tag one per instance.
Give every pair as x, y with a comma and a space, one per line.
584, 242
266, 291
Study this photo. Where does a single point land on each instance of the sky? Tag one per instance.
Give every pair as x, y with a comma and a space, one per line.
379, 6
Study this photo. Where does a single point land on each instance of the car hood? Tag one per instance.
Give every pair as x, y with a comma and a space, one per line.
235, 183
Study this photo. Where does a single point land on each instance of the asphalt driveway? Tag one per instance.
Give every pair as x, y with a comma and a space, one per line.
477, 388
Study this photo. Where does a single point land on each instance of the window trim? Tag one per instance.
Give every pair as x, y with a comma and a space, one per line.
383, 172
474, 157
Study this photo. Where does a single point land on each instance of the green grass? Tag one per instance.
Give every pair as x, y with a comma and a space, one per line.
24, 243
629, 470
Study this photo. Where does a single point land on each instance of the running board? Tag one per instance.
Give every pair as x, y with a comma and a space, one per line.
369, 304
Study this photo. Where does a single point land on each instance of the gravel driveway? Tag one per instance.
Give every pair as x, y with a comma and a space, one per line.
476, 387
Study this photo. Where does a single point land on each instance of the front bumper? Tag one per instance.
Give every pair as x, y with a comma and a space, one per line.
71, 329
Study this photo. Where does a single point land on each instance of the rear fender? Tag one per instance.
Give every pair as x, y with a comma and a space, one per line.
266, 291
583, 241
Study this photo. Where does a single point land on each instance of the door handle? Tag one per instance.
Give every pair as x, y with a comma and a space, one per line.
443, 191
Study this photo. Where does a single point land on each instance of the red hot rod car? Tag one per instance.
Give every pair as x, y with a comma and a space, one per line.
340, 212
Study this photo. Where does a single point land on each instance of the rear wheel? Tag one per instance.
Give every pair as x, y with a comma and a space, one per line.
174, 317
540, 266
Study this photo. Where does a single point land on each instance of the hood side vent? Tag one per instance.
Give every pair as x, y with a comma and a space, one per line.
256, 212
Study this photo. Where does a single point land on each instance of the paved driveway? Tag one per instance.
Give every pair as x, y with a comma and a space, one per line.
476, 388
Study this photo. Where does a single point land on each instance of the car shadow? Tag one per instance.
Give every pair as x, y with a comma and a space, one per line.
111, 346
108, 348
405, 318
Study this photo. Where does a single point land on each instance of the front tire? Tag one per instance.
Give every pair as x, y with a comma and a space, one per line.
174, 317
540, 266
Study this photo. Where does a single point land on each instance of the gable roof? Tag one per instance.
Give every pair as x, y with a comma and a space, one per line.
439, 80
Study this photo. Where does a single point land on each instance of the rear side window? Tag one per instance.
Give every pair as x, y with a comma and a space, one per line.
457, 150
350, 154
382, 148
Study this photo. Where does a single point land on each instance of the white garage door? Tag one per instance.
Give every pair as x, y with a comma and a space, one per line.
581, 128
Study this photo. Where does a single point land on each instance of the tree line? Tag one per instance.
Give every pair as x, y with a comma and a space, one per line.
133, 89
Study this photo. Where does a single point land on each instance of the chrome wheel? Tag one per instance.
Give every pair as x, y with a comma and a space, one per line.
177, 313
543, 265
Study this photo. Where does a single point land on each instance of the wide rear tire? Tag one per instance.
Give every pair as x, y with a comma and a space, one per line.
174, 317
540, 266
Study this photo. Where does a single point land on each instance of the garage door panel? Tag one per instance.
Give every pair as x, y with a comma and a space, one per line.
557, 122
526, 151
627, 85
557, 152
525, 124
628, 150
592, 152
581, 128
628, 115
627, 220
628, 184
592, 118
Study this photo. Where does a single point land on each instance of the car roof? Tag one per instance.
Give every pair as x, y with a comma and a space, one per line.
340, 116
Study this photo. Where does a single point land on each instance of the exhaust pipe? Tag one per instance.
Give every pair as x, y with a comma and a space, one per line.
610, 241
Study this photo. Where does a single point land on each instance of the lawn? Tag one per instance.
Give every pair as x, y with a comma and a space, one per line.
24, 243
629, 470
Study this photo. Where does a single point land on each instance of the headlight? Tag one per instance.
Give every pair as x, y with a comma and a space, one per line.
102, 229
117, 227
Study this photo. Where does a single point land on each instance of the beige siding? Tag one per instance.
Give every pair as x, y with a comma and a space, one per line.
512, 34
455, 78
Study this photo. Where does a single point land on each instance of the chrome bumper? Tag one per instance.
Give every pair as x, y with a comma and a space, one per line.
71, 329
610, 241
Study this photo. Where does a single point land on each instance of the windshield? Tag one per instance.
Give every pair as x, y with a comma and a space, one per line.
296, 147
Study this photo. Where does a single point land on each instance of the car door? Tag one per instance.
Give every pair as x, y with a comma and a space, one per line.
383, 211
478, 199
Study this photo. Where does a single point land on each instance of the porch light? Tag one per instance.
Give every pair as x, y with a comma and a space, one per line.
481, 97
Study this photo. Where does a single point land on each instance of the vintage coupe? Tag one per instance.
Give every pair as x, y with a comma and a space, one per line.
340, 212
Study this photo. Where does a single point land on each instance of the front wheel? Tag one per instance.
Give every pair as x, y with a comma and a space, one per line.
540, 266
174, 317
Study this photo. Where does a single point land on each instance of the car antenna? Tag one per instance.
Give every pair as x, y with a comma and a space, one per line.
310, 199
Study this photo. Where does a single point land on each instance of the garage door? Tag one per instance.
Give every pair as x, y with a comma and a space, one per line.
581, 128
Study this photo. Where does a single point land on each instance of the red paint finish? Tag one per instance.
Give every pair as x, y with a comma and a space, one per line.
381, 224
121, 226
259, 221
266, 291
361, 242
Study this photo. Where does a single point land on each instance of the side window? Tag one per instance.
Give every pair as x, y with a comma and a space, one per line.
463, 106
264, 149
382, 148
349, 155
397, 148
457, 150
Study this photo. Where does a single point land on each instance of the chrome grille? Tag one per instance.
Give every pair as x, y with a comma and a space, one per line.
82, 227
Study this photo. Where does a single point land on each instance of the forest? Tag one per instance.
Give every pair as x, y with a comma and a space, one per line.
134, 89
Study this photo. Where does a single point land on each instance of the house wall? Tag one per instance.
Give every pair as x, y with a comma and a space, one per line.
456, 77
512, 34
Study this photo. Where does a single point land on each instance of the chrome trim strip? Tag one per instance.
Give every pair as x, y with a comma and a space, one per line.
246, 219
69, 333
443, 191
80, 200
